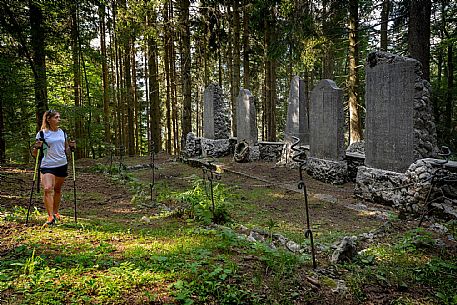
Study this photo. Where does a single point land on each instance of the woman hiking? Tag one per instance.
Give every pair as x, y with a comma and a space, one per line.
52, 142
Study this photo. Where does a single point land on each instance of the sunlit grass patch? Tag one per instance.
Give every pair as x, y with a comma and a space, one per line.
97, 266
63, 286
405, 265
4, 196
169, 246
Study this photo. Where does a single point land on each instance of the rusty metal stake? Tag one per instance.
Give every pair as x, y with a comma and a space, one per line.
301, 185
210, 174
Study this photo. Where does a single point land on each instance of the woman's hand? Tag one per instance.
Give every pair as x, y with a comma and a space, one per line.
38, 144
72, 145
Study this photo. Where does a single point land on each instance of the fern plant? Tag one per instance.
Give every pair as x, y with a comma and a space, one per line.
200, 205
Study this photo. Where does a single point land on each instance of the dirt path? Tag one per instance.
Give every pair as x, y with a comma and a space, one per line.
99, 196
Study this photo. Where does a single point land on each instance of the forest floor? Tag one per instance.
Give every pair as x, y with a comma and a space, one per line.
398, 262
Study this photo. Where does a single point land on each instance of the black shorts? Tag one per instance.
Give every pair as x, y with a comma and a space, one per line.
61, 171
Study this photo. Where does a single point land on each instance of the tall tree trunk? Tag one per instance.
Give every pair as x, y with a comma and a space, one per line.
270, 81
229, 64
264, 101
186, 63
273, 101
173, 89
79, 130
2, 132
119, 86
174, 93
120, 96
122, 99
384, 23
154, 96
129, 97
419, 33
328, 60
246, 49
147, 83
106, 97
113, 78
167, 52
204, 46
439, 67
355, 126
449, 92
37, 38
135, 106
220, 27
236, 62
89, 106
267, 91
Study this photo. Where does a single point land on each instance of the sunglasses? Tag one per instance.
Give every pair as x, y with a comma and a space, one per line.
50, 112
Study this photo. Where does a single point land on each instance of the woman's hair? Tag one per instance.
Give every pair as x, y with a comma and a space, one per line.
47, 115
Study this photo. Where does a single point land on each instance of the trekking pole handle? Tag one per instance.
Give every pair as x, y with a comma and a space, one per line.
38, 145
72, 145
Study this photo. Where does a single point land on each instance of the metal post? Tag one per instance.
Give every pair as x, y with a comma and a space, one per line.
210, 174
301, 185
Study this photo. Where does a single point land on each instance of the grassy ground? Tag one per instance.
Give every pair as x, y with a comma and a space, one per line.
127, 249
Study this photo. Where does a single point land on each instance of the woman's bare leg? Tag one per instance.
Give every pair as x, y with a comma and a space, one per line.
57, 195
48, 181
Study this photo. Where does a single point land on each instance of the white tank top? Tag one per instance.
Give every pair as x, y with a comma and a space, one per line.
54, 152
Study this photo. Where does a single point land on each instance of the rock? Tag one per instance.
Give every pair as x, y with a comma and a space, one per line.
146, 219
251, 238
256, 237
345, 251
244, 230
326, 198
281, 239
341, 287
448, 211
358, 207
367, 236
292, 246
439, 228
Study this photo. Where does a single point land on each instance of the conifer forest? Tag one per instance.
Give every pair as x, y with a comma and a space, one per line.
125, 72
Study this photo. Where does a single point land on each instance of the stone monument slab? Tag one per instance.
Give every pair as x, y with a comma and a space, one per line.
297, 113
246, 118
390, 140
326, 121
216, 120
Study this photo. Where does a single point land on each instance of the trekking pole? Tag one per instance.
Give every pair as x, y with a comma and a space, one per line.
33, 185
74, 179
